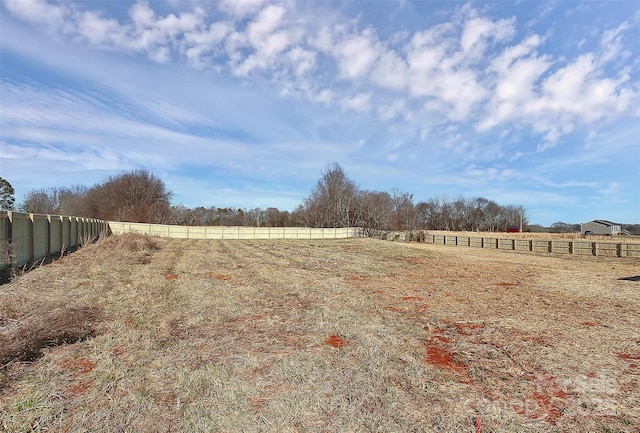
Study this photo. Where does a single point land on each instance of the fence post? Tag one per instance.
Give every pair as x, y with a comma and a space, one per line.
550, 246
594, 248
570, 247
514, 244
619, 249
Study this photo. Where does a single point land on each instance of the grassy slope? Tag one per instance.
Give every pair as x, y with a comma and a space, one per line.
233, 336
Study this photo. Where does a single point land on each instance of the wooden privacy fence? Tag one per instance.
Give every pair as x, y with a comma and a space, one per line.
225, 232
559, 246
28, 237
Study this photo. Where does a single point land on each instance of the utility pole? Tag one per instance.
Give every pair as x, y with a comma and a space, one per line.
521, 219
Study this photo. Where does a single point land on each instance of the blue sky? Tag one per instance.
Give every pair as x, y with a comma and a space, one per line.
244, 103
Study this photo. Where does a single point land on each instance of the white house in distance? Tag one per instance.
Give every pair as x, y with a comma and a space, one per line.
600, 227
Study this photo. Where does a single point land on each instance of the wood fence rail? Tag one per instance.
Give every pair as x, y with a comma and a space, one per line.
558, 246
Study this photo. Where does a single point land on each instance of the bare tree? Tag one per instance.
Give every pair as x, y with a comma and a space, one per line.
376, 211
332, 202
57, 200
135, 196
405, 216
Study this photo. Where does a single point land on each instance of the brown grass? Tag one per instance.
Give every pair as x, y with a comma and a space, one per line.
23, 340
342, 335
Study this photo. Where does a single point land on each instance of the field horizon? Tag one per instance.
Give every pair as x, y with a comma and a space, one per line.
136, 333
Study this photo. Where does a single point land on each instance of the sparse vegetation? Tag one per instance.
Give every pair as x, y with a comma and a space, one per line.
342, 335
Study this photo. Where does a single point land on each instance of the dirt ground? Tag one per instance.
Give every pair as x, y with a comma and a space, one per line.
334, 335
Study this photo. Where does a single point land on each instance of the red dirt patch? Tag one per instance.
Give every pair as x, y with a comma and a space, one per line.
441, 357
336, 341
357, 280
79, 365
412, 298
80, 387
627, 356
257, 403
170, 277
545, 402
477, 423
589, 324
469, 325
505, 284
217, 276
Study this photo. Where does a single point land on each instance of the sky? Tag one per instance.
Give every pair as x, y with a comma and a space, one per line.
245, 103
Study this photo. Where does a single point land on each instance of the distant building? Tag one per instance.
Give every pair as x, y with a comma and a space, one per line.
513, 229
600, 227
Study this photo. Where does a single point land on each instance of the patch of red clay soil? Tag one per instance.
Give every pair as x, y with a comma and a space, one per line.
412, 298
544, 402
478, 424
441, 357
466, 328
336, 341
505, 284
438, 353
589, 324
170, 277
80, 387
357, 280
220, 277
628, 357
78, 365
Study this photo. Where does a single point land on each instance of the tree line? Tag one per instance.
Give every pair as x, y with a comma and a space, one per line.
334, 201
135, 196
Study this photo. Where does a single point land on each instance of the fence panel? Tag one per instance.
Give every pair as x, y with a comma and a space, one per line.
557, 246
235, 232
5, 238
608, 249
21, 238
631, 250
26, 238
55, 234
560, 247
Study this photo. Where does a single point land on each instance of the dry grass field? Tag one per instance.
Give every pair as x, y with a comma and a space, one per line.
137, 334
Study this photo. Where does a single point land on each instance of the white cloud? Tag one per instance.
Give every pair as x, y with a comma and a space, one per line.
518, 71
397, 108
391, 72
359, 102
240, 8
39, 12
611, 43
356, 54
478, 31
463, 69
302, 61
